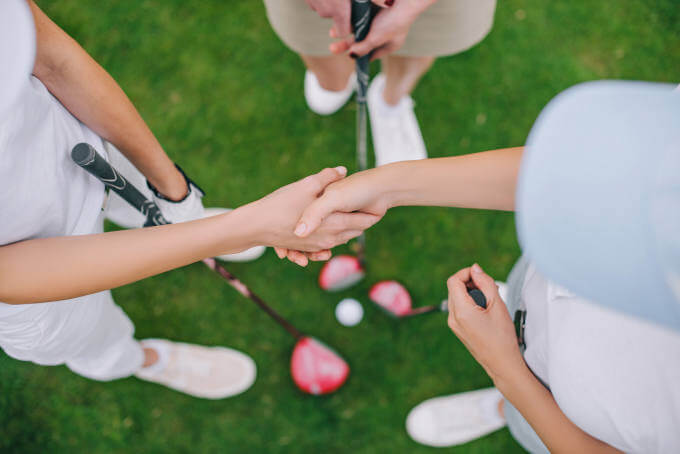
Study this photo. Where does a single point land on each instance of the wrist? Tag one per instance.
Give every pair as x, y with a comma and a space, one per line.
511, 380
395, 183
257, 229
172, 186
238, 230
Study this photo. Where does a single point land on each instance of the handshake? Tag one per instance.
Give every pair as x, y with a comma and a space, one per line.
304, 220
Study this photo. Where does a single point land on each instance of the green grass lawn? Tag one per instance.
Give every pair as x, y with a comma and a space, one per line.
224, 96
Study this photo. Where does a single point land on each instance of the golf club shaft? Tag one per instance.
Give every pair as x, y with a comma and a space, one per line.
89, 159
363, 12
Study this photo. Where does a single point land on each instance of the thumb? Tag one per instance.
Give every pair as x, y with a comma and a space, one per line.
313, 216
484, 282
341, 26
364, 47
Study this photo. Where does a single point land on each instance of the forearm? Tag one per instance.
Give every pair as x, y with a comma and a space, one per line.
92, 96
482, 180
59, 268
539, 408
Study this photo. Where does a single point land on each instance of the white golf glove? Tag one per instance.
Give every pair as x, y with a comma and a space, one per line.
189, 208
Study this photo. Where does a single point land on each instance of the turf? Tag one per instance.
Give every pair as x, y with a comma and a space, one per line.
224, 96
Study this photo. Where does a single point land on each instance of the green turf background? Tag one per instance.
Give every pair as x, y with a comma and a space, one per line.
224, 96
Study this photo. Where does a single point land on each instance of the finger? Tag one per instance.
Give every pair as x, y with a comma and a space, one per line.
281, 252
385, 50
328, 176
484, 282
380, 52
458, 291
362, 48
314, 214
350, 221
462, 276
341, 22
384, 3
340, 47
320, 256
344, 237
298, 258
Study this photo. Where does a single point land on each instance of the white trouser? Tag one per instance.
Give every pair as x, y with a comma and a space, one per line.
90, 334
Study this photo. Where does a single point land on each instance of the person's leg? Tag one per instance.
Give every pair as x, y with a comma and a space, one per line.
332, 71
394, 126
402, 74
329, 82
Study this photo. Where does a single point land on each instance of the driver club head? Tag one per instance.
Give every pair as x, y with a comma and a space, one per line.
340, 273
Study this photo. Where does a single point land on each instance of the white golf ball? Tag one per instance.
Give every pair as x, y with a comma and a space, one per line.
349, 312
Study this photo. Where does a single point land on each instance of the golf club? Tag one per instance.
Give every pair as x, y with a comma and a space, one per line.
344, 271
395, 300
316, 369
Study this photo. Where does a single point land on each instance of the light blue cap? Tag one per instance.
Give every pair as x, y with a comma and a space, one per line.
598, 198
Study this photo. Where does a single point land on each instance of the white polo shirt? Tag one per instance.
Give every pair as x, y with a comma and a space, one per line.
43, 193
614, 376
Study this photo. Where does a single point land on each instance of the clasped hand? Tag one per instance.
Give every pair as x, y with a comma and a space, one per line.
388, 31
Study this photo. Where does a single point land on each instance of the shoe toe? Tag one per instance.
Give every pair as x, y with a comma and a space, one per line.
420, 425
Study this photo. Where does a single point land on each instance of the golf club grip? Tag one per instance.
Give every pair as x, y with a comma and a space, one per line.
479, 298
363, 12
89, 159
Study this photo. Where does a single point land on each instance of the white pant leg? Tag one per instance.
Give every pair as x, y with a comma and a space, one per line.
90, 334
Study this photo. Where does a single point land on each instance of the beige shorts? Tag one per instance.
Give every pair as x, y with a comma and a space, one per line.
446, 28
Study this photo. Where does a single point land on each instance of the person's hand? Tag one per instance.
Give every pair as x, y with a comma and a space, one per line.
359, 193
488, 334
275, 217
388, 31
338, 10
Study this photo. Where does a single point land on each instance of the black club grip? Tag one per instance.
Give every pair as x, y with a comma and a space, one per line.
363, 12
477, 295
89, 159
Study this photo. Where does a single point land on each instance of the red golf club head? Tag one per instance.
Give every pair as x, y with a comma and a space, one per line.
317, 369
340, 272
391, 296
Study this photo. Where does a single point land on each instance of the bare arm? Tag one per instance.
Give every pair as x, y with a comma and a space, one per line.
51, 269
93, 97
57, 268
490, 336
539, 408
482, 180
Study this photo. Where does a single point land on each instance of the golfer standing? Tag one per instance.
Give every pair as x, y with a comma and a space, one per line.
56, 265
593, 362
407, 35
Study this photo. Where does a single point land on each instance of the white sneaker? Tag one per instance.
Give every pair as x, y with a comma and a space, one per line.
455, 419
206, 372
395, 130
244, 256
327, 102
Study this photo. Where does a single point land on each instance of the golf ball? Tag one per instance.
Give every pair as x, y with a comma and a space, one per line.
349, 312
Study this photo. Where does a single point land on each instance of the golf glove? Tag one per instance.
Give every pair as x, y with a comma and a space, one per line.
189, 208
